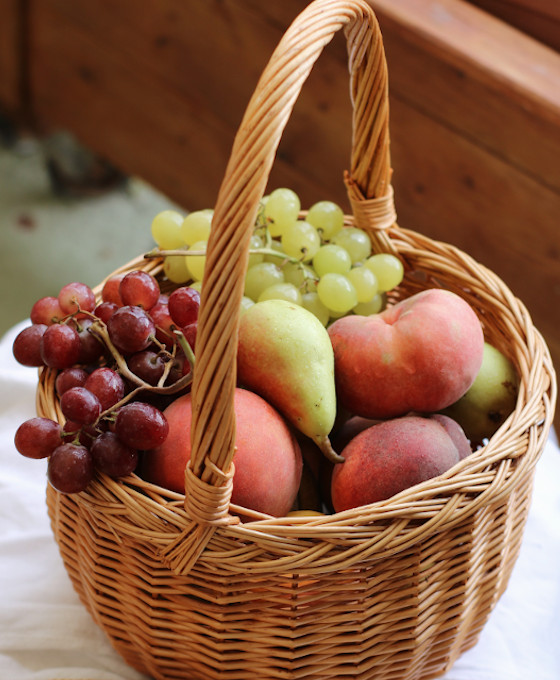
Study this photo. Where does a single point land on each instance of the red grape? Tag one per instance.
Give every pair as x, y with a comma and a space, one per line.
141, 426
110, 290
70, 468
38, 437
139, 288
76, 295
112, 456
91, 348
131, 329
26, 347
46, 310
183, 305
179, 368
105, 311
147, 365
164, 323
107, 385
80, 405
190, 334
70, 377
60, 346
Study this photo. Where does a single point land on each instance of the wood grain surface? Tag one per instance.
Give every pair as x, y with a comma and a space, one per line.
537, 18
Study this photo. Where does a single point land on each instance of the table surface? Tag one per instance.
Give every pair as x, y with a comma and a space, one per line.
46, 634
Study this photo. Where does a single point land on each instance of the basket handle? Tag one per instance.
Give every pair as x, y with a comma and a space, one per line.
209, 473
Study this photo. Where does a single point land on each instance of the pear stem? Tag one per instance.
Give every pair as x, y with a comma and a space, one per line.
324, 443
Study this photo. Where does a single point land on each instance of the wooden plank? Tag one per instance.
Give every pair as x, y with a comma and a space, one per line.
471, 71
10, 57
115, 100
184, 44
122, 101
537, 18
469, 106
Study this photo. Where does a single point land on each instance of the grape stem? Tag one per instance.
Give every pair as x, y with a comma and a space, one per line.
99, 329
265, 250
185, 346
108, 413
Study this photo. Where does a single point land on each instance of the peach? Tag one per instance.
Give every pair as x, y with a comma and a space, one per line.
421, 354
268, 460
392, 456
456, 432
348, 430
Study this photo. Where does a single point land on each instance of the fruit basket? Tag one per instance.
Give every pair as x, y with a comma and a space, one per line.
395, 589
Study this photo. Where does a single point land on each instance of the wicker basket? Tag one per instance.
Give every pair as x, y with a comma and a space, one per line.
396, 589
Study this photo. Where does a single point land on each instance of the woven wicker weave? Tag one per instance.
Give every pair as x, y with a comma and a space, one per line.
396, 589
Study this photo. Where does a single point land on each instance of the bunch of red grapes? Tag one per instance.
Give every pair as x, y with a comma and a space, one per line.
117, 360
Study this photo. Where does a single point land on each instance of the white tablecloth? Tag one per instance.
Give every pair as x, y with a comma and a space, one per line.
46, 634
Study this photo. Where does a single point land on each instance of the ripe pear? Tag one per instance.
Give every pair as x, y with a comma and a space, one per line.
489, 400
285, 355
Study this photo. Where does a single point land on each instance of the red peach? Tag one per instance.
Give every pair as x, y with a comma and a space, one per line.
418, 355
456, 432
268, 460
390, 457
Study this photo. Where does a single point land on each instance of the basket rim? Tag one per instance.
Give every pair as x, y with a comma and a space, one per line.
484, 478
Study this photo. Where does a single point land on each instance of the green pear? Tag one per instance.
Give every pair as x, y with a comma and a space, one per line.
490, 399
285, 355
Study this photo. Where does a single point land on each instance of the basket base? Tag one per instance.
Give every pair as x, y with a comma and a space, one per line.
409, 616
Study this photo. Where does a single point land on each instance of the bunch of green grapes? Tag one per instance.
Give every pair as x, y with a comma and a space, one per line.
313, 261
189, 235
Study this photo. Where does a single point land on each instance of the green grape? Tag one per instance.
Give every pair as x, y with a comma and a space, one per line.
261, 276
301, 240
246, 302
281, 291
197, 285
355, 241
336, 315
277, 246
312, 303
281, 210
374, 306
327, 217
176, 270
364, 281
196, 263
196, 226
337, 293
388, 270
300, 275
256, 242
166, 230
332, 258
